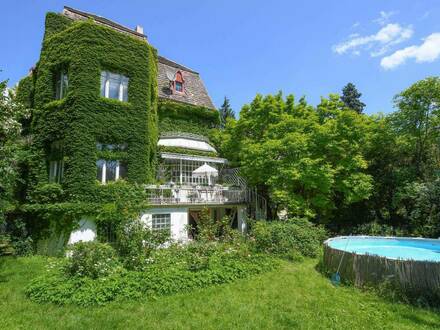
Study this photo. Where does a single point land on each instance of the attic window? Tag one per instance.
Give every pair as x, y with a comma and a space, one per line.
178, 82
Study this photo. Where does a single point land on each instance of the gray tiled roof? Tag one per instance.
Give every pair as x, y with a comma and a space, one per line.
194, 89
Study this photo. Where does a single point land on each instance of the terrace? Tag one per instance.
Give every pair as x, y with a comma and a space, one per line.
195, 195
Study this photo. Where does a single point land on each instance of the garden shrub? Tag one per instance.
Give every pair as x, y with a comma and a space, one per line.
209, 229
417, 203
377, 229
170, 270
16, 239
288, 239
136, 242
92, 259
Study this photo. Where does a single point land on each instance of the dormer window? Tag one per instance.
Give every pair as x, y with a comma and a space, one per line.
179, 86
114, 86
178, 82
61, 85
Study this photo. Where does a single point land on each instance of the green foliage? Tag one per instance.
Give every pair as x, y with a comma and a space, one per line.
13, 149
309, 160
351, 98
295, 295
83, 118
417, 125
179, 269
25, 91
55, 23
376, 229
108, 205
47, 193
92, 259
17, 239
418, 203
402, 151
136, 242
226, 113
187, 118
288, 239
208, 229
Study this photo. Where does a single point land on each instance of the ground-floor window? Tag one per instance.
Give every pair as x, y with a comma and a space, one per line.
161, 222
110, 170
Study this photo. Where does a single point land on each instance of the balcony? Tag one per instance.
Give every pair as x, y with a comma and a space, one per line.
195, 195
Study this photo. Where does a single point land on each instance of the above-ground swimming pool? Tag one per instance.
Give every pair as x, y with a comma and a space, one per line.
412, 262
392, 248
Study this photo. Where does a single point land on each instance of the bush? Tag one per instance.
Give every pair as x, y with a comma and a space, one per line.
289, 238
376, 229
16, 237
92, 259
47, 193
417, 203
211, 230
171, 270
136, 242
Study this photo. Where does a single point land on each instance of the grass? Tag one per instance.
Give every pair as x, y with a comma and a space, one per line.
295, 296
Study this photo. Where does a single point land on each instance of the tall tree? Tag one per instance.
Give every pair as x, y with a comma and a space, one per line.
310, 160
351, 98
12, 114
225, 113
417, 122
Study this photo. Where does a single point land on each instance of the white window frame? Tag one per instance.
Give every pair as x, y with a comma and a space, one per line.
104, 170
121, 85
62, 75
161, 215
56, 171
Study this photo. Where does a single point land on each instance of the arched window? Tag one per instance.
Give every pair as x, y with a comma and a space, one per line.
178, 82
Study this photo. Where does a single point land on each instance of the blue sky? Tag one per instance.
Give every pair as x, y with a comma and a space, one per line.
241, 48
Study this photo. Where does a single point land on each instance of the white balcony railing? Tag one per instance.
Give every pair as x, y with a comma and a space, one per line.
163, 195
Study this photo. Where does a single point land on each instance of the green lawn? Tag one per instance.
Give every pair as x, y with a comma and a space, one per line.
295, 296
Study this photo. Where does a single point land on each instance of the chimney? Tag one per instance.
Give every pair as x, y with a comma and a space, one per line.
139, 29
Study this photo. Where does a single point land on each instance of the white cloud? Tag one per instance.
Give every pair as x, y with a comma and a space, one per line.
428, 51
425, 15
384, 17
387, 36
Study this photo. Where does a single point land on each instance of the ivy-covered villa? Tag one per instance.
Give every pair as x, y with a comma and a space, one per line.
107, 108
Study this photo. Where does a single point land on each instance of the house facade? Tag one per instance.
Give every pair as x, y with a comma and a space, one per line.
108, 109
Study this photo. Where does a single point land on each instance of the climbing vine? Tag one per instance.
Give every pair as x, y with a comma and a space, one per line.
182, 117
82, 119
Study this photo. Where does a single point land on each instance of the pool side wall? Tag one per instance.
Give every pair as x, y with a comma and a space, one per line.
371, 269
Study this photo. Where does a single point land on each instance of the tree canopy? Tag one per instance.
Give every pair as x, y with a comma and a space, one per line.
309, 159
226, 113
12, 114
352, 98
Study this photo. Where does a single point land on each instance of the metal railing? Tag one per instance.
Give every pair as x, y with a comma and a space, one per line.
163, 195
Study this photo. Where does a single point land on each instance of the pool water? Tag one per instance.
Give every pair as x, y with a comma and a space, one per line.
393, 248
